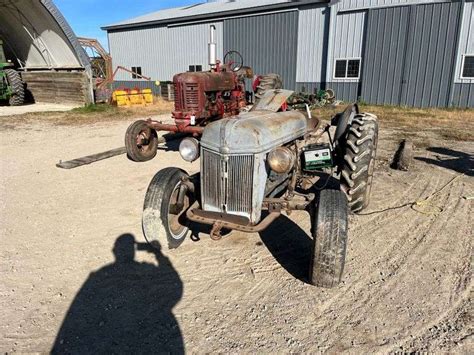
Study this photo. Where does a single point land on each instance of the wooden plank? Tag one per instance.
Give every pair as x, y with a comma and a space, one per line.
48, 86
91, 158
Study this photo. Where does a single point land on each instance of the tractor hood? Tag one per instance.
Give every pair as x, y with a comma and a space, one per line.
254, 132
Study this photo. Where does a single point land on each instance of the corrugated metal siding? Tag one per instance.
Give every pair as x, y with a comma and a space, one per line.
463, 95
312, 44
141, 84
409, 56
354, 4
344, 91
163, 51
430, 55
267, 43
466, 40
384, 55
309, 87
347, 40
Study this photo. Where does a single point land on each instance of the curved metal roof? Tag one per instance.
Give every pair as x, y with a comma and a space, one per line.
38, 35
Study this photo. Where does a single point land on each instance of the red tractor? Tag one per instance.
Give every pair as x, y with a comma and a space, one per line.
199, 98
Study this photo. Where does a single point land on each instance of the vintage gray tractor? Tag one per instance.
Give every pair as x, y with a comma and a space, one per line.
256, 166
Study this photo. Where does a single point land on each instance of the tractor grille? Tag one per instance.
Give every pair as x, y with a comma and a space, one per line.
227, 182
178, 97
191, 97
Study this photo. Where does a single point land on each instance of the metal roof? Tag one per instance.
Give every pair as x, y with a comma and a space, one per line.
38, 35
208, 10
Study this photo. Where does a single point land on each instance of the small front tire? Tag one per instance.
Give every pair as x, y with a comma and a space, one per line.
162, 221
329, 231
141, 142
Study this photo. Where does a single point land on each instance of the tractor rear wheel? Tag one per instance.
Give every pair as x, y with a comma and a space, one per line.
268, 82
141, 141
17, 86
329, 229
359, 148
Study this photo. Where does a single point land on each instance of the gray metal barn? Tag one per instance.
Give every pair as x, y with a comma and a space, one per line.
400, 52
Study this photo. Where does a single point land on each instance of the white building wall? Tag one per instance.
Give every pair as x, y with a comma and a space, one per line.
466, 41
162, 52
346, 40
311, 28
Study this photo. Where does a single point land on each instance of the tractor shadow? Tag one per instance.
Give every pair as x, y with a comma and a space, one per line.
171, 143
289, 244
451, 159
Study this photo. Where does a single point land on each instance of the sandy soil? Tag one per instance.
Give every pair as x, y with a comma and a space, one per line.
36, 107
69, 269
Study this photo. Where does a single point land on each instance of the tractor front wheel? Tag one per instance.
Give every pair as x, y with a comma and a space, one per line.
165, 204
329, 231
17, 87
141, 142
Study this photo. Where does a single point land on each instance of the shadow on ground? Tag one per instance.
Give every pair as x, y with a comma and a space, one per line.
125, 307
451, 159
290, 246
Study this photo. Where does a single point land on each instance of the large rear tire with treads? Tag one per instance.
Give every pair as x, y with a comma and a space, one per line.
267, 82
359, 148
17, 86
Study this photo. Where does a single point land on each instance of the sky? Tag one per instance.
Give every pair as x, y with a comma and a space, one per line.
87, 16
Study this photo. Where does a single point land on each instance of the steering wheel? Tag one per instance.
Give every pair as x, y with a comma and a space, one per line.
234, 60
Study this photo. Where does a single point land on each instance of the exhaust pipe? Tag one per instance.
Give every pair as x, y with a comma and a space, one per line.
212, 48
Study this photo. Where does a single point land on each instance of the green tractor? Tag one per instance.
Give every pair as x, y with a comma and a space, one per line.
12, 88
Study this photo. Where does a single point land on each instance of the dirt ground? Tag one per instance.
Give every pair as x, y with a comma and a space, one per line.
36, 107
70, 272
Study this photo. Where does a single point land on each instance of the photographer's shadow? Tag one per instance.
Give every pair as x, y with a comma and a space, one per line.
125, 306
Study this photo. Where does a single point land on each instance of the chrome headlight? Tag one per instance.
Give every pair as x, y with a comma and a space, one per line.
281, 160
189, 149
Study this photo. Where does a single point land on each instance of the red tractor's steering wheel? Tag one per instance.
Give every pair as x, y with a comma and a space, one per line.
234, 60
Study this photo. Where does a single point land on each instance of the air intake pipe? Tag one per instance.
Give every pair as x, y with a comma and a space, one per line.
212, 48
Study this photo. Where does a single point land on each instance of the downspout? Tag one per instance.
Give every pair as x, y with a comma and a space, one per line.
458, 45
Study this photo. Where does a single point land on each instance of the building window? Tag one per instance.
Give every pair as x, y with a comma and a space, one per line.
468, 67
135, 71
347, 68
193, 68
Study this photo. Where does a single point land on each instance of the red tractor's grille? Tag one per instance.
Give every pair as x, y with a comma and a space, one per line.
178, 97
191, 97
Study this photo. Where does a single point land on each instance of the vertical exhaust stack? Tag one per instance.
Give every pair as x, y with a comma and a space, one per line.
212, 48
